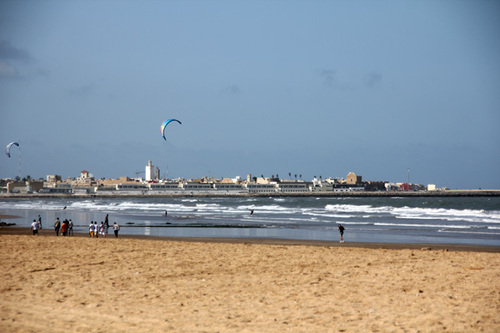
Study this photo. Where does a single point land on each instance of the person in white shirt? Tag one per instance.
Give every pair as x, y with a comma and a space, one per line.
116, 228
91, 229
34, 227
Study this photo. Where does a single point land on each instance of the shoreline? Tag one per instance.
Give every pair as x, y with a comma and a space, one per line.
214, 194
12, 230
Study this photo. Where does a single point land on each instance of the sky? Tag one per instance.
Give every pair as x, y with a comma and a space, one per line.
389, 90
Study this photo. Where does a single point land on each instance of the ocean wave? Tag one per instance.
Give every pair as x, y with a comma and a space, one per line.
468, 215
358, 208
336, 216
496, 234
414, 225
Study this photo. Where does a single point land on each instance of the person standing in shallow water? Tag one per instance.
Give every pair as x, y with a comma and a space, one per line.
57, 226
116, 228
341, 230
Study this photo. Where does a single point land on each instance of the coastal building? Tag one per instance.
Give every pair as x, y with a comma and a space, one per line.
167, 187
294, 187
132, 187
353, 179
59, 188
230, 187
261, 188
24, 186
152, 173
87, 185
85, 179
54, 178
197, 186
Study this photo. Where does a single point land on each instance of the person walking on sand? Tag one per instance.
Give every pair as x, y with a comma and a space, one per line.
91, 229
39, 222
96, 229
57, 226
116, 228
70, 228
341, 229
101, 230
34, 227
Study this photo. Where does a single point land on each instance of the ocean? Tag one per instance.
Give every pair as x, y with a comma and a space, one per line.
438, 220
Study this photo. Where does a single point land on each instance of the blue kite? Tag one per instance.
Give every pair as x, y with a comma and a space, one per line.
164, 125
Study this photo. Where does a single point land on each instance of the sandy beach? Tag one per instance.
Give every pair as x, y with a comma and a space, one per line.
79, 284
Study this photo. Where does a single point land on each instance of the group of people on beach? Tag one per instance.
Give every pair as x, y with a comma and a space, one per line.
95, 230
36, 225
65, 228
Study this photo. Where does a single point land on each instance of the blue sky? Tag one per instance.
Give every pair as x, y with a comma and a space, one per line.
261, 87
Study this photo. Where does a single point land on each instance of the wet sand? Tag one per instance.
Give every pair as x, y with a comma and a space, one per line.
141, 284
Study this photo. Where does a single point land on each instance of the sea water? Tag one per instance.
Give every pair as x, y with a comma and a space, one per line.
446, 220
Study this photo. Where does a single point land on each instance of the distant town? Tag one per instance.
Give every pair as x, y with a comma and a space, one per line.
152, 184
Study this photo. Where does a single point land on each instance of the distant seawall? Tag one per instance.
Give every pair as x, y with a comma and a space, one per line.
131, 194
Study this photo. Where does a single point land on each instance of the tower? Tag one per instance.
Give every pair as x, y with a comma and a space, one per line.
149, 171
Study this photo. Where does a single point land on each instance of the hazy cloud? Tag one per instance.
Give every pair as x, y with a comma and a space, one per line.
232, 90
7, 71
328, 77
10, 59
7, 51
372, 79
83, 90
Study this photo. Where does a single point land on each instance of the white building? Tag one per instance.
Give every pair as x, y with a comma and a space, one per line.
152, 173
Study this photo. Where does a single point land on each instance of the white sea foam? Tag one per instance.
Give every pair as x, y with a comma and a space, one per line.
421, 225
357, 209
418, 213
496, 234
337, 216
467, 215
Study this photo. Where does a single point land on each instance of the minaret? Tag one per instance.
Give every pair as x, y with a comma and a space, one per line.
149, 171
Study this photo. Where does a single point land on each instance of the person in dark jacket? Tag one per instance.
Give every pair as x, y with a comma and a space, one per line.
341, 229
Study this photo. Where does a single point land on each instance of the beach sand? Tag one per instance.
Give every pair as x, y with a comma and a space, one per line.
79, 284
